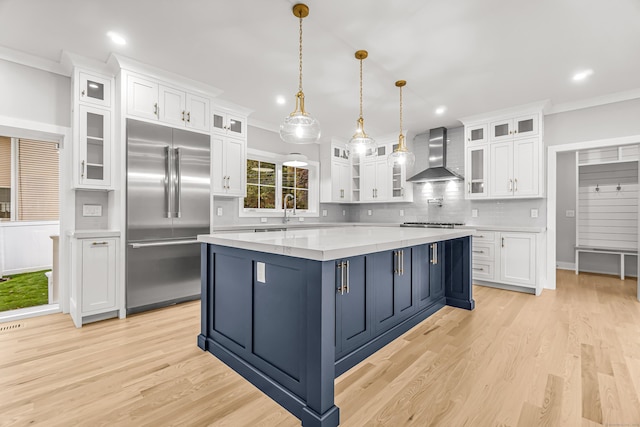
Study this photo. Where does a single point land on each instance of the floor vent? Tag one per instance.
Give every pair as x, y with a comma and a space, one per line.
4, 328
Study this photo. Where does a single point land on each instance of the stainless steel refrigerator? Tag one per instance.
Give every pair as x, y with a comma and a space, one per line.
168, 191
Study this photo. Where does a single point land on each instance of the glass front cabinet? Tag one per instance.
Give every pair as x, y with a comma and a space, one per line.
476, 172
94, 151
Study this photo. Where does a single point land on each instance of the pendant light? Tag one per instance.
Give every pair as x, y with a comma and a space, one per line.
401, 156
297, 160
299, 127
360, 142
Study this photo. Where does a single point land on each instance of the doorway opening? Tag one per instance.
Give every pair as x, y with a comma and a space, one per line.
562, 234
29, 226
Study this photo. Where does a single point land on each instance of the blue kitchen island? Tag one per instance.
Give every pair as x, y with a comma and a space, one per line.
292, 310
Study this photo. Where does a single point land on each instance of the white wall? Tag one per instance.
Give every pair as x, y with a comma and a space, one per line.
35, 95
566, 200
265, 140
589, 124
26, 246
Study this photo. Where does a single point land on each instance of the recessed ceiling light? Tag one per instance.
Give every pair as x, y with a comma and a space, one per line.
116, 38
280, 100
582, 75
441, 110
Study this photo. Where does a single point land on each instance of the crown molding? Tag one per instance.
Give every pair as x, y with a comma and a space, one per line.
594, 102
33, 61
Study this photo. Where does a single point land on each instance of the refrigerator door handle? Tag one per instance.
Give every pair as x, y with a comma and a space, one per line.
167, 243
167, 179
178, 182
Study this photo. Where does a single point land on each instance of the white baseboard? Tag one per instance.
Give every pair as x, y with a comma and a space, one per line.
566, 265
610, 273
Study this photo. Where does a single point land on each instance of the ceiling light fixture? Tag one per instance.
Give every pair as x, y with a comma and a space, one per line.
401, 156
297, 160
116, 38
360, 142
280, 100
440, 110
299, 127
582, 75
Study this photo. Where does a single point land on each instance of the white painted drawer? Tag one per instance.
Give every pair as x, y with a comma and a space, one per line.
481, 236
483, 251
483, 270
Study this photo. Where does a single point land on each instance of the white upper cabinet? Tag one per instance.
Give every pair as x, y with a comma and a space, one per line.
506, 162
340, 190
94, 89
142, 98
476, 170
519, 127
476, 134
228, 166
375, 181
153, 100
94, 148
227, 123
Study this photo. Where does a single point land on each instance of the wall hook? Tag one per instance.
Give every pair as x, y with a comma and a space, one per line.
597, 188
619, 187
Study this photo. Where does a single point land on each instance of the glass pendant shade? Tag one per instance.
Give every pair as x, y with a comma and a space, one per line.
401, 156
300, 127
360, 142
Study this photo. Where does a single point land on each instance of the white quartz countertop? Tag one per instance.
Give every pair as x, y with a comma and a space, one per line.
324, 244
296, 225
506, 228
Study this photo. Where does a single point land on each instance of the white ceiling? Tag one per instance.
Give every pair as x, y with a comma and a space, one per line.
472, 56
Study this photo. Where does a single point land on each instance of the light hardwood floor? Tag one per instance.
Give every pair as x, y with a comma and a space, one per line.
570, 357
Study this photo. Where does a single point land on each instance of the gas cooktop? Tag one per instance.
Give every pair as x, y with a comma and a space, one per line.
432, 224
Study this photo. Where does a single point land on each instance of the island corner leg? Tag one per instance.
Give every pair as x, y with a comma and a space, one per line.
320, 410
458, 282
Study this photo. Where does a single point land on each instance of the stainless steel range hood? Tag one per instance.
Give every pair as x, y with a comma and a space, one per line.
437, 170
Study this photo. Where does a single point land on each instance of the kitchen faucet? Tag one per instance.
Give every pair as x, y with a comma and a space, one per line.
286, 219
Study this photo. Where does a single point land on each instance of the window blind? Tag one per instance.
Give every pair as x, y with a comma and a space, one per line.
38, 172
5, 162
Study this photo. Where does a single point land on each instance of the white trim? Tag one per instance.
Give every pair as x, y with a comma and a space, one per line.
594, 102
533, 107
552, 196
264, 125
33, 61
24, 313
566, 265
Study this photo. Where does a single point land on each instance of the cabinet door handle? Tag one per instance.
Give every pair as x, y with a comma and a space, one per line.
478, 252
341, 288
99, 243
516, 183
188, 116
503, 242
478, 269
435, 253
83, 92
347, 268
395, 262
510, 185
82, 169
183, 115
402, 262
156, 110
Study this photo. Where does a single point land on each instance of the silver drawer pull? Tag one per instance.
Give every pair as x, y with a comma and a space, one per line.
99, 243
478, 269
478, 252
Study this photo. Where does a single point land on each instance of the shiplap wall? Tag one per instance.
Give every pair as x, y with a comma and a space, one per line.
608, 205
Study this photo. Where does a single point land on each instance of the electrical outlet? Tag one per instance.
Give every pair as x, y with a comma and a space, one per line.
474, 213
219, 211
344, 212
324, 212
263, 219
301, 218
369, 212
91, 210
401, 212
570, 213
534, 213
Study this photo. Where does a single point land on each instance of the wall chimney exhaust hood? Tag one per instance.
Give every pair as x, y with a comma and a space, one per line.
437, 170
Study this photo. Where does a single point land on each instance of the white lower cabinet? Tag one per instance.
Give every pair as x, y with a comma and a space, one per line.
510, 258
94, 292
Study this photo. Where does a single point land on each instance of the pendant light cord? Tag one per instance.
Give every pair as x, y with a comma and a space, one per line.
300, 58
400, 110
361, 88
